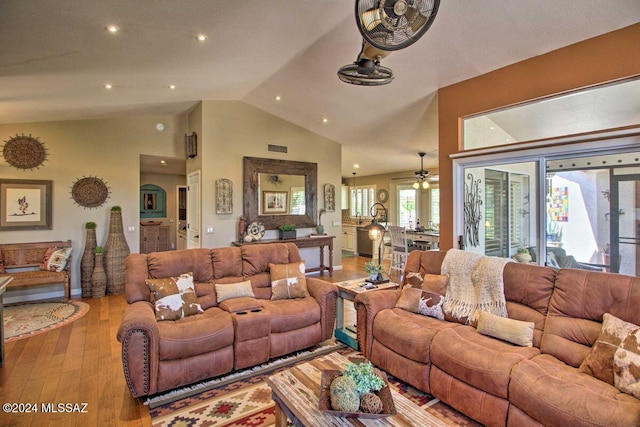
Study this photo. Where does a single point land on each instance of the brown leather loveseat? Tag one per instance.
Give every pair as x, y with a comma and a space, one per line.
498, 383
159, 355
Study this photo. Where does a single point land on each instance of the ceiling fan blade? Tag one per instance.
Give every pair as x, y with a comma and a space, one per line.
371, 18
404, 178
415, 18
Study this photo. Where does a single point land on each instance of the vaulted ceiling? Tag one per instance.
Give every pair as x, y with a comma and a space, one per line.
55, 57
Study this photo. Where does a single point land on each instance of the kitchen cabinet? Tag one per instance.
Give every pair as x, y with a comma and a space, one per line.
182, 240
349, 241
154, 238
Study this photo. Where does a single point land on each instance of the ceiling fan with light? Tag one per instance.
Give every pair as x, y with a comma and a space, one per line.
386, 25
421, 177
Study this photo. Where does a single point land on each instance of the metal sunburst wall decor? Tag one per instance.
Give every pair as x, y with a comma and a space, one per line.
90, 192
24, 152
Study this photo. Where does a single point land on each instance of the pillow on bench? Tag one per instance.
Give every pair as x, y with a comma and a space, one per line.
55, 259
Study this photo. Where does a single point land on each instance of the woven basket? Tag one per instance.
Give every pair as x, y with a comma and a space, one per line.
116, 251
86, 263
324, 402
98, 278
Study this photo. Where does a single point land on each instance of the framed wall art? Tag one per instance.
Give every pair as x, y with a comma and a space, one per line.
224, 196
329, 197
274, 202
25, 204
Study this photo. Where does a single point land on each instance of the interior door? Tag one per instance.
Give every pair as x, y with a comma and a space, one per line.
193, 210
625, 225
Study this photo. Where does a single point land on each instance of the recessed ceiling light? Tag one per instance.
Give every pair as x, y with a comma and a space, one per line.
492, 127
278, 97
163, 163
108, 86
112, 29
172, 87
201, 37
160, 128
325, 120
356, 165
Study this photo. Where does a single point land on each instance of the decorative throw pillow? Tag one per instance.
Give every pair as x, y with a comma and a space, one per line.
432, 287
234, 290
514, 331
288, 281
55, 259
174, 297
422, 302
599, 361
2, 269
626, 365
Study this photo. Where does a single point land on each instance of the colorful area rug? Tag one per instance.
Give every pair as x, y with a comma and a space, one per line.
248, 403
29, 319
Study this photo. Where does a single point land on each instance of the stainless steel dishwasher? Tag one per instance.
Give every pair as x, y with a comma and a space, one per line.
365, 245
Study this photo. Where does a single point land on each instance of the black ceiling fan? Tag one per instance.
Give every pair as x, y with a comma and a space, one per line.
386, 25
422, 176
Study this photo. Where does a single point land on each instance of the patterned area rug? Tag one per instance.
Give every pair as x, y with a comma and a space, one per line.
29, 319
248, 403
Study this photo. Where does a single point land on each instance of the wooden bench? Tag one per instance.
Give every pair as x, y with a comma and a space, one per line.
22, 262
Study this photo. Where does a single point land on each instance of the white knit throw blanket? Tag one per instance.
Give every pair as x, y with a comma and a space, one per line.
475, 284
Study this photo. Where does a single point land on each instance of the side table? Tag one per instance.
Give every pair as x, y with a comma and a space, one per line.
4, 281
348, 291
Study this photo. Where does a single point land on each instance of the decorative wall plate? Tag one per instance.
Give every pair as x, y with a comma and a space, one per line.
383, 195
90, 192
24, 152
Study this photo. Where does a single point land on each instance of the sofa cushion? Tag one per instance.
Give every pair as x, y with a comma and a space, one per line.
599, 361
288, 280
173, 263
193, 335
287, 315
406, 333
55, 259
511, 330
578, 304
554, 393
478, 360
225, 291
174, 297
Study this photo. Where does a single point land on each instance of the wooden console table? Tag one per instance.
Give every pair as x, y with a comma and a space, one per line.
305, 242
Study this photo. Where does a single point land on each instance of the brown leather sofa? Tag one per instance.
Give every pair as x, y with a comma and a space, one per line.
161, 355
498, 383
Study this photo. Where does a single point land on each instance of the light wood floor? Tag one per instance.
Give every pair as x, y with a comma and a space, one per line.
81, 363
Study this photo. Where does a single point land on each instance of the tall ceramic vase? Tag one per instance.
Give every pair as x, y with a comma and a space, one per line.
116, 251
98, 277
87, 261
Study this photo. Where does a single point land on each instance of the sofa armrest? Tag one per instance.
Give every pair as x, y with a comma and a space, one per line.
326, 294
140, 337
367, 306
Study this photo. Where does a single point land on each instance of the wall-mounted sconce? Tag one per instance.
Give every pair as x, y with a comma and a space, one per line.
191, 145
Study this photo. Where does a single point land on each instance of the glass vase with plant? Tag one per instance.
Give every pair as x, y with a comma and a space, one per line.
373, 269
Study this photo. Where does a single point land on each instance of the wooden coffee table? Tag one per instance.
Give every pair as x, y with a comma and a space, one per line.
296, 392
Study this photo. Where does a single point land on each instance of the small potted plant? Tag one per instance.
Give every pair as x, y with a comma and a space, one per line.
287, 231
373, 269
523, 255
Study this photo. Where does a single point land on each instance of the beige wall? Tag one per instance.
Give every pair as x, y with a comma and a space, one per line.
109, 149
605, 58
232, 130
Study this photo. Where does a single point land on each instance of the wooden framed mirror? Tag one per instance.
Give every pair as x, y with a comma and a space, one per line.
278, 192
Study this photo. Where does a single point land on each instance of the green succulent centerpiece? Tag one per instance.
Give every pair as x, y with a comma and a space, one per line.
373, 269
287, 231
355, 390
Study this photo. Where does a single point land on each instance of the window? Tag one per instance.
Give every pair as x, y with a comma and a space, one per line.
407, 213
362, 198
434, 216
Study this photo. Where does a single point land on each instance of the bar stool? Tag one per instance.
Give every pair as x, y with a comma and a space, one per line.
400, 249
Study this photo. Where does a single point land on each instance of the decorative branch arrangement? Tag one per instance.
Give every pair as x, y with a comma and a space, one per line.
472, 210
